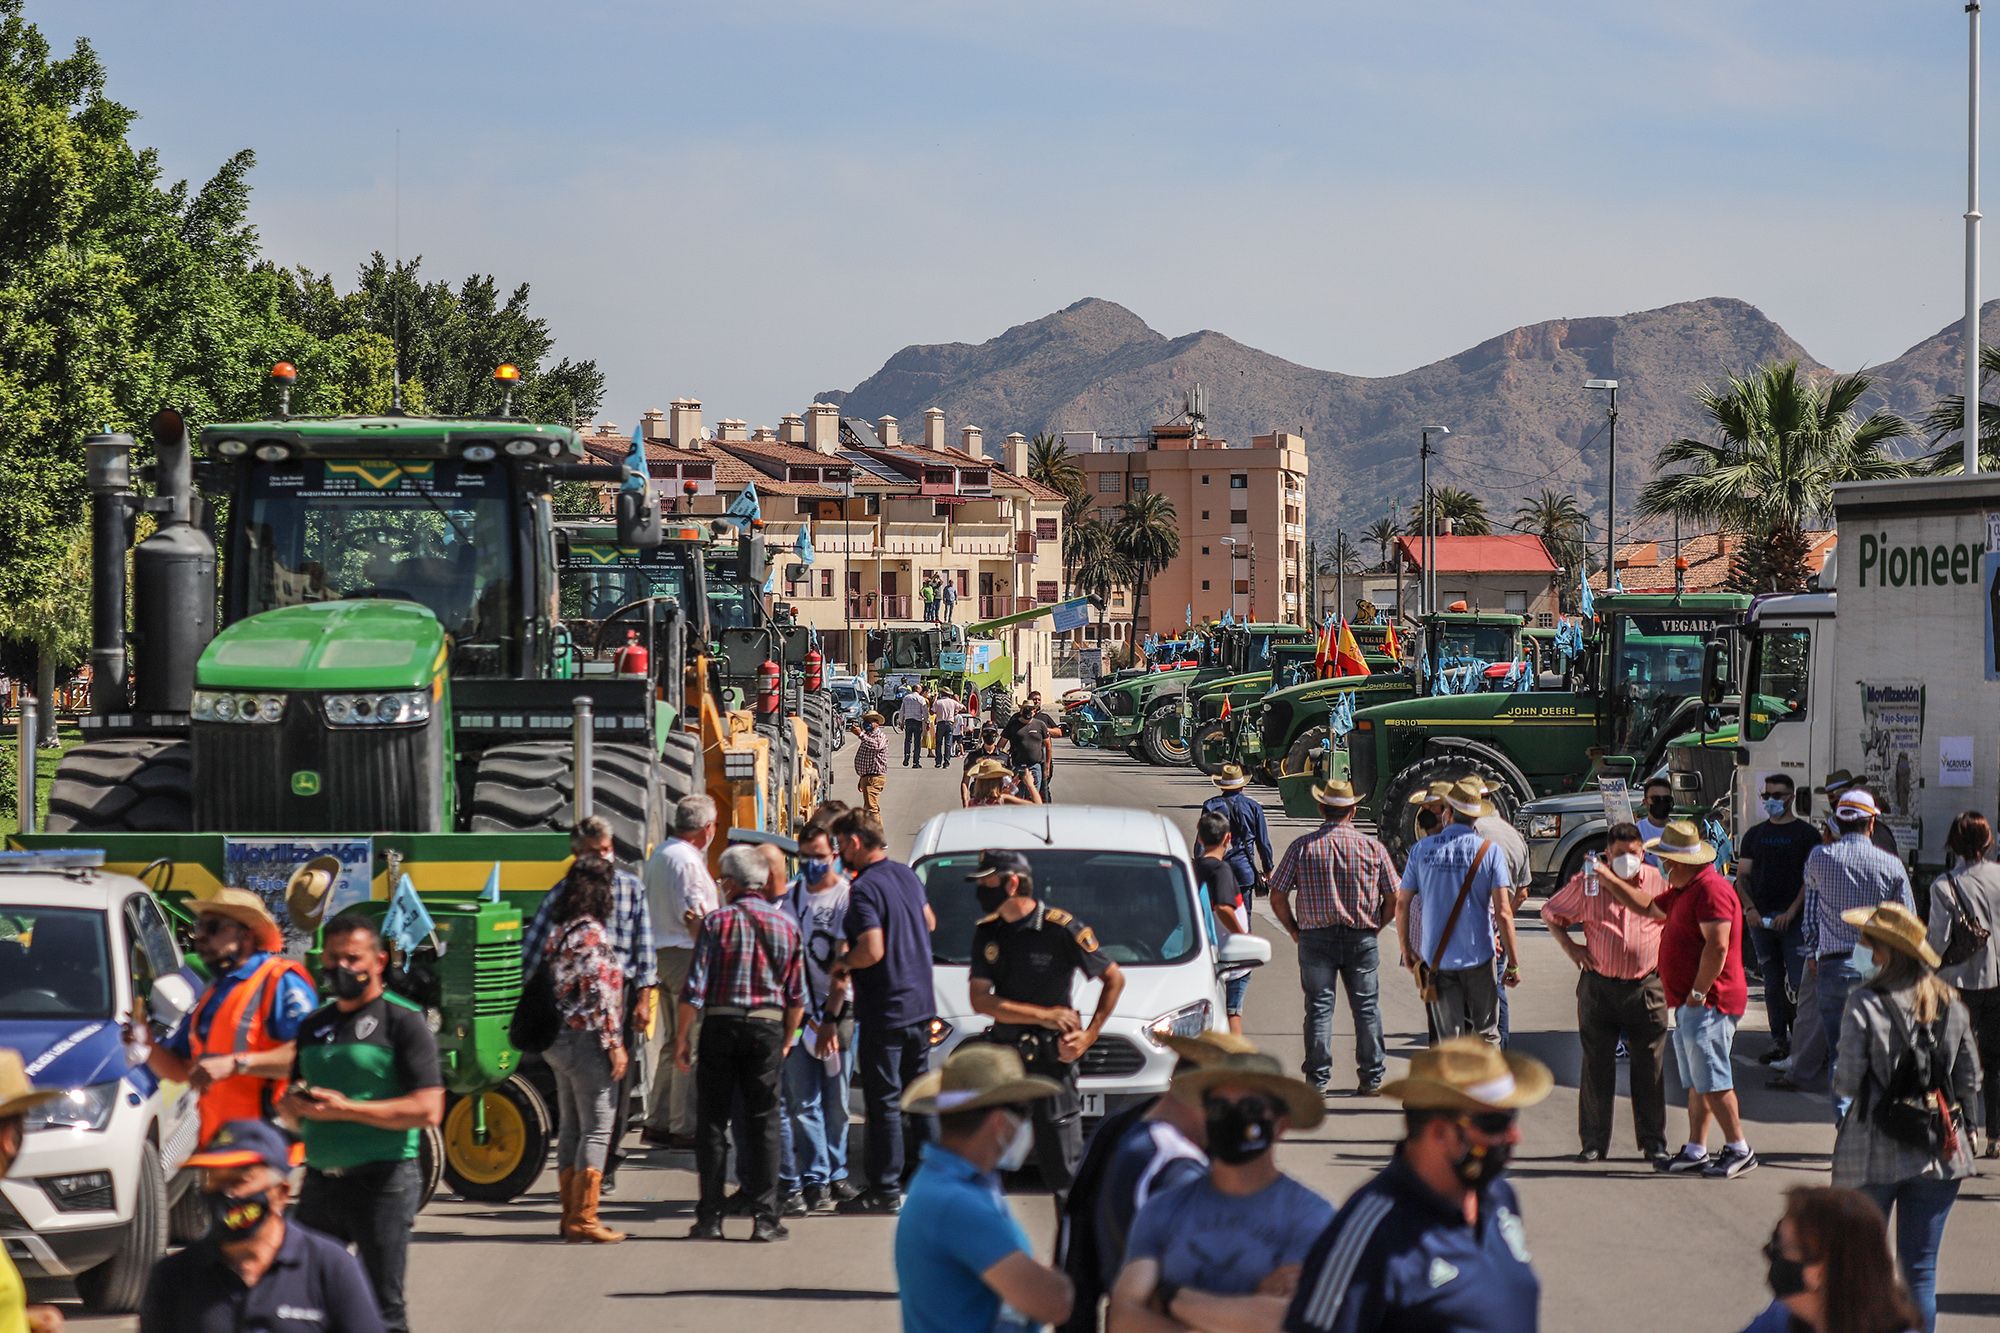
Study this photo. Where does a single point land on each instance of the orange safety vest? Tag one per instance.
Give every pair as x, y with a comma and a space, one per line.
237, 1028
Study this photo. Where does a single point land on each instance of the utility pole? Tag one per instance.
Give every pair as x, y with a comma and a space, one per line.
1972, 238
1611, 485
1427, 586
1339, 573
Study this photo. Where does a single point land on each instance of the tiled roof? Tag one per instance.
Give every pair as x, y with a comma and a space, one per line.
733, 474
1511, 553
1649, 566
781, 452
614, 448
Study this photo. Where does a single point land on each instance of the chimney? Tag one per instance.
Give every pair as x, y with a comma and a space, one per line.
732, 428
823, 428
609, 428
1016, 454
792, 428
655, 424
934, 428
686, 422
885, 431
764, 434
971, 440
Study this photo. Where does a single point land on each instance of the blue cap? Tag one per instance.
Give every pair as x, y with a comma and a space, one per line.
250, 1143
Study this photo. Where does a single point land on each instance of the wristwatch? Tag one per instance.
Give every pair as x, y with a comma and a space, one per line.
1698, 998
240, 1065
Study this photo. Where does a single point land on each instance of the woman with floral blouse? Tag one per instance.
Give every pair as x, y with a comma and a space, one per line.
588, 1057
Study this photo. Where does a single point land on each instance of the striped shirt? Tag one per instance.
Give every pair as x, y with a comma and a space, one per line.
630, 931
1840, 876
1342, 876
871, 754
1621, 944
748, 955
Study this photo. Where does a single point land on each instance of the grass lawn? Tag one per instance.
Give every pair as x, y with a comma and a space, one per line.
67, 737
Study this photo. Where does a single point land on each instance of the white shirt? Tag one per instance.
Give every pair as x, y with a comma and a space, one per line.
677, 881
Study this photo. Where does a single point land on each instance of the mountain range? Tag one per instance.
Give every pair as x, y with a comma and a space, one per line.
1520, 418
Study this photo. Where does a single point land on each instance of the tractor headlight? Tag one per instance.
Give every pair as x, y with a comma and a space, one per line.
369, 710
478, 453
77, 1108
231, 706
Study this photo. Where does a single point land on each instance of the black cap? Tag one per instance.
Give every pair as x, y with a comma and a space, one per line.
1001, 862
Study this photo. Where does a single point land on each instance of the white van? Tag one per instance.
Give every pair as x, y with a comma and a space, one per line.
1125, 874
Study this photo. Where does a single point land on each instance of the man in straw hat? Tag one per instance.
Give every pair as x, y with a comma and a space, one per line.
1466, 892
959, 1251
1248, 834
17, 1098
237, 1045
1848, 873
1435, 1240
871, 761
1701, 972
1346, 885
1242, 1229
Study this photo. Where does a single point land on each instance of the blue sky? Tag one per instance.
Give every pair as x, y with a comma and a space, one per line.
752, 202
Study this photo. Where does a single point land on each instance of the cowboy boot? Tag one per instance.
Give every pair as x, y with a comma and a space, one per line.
588, 1228
566, 1179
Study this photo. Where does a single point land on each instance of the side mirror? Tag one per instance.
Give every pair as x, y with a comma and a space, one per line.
1242, 951
639, 524
171, 999
1714, 667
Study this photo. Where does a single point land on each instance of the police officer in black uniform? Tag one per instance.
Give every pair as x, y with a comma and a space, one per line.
1024, 955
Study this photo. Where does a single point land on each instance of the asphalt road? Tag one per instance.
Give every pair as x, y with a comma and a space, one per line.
1615, 1244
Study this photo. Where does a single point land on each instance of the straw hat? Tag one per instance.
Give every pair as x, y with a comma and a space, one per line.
978, 1075
1896, 926
989, 767
1468, 797
1254, 1069
1432, 794
1465, 1074
1208, 1046
872, 716
1231, 778
246, 909
1336, 792
1837, 782
306, 891
16, 1093
1681, 841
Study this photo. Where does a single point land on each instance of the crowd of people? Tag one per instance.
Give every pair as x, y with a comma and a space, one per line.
1007, 755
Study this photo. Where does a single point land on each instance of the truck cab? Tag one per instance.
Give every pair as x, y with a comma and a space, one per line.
1787, 658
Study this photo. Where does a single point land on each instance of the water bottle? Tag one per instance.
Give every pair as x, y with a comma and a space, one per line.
1590, 875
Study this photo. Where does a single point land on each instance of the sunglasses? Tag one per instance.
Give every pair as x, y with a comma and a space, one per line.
209, 925
1491, 1123
1253, 1107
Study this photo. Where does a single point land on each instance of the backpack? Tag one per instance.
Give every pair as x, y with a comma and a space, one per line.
537, 1018
1915, 1107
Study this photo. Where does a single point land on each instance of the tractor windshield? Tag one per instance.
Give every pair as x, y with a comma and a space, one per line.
1655, 661
1459, 644
598, 578
911, 650
436, 532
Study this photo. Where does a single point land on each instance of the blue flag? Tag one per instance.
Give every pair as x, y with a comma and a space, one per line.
407, 923
1189, 618
1586, 603
744, 507
803, 547
635, 462
491, 893
771, 581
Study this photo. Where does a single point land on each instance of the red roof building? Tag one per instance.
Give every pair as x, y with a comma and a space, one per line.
1511, 573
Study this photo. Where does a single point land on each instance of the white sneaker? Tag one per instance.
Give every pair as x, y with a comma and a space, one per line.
1783, 1066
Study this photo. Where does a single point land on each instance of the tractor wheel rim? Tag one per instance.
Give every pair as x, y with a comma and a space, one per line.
493, 1161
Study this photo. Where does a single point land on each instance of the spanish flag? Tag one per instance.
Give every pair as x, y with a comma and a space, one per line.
1225, 707
1347, 659
1323, 649
1392, 648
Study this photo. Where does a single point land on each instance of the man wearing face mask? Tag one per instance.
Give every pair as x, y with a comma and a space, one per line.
17, 1098
1025, 958
1436, 1239
365, 1084
1205, 1253
1770, 878
255, 1271
1617, 991
236, 1047
962, 1260
1656, 808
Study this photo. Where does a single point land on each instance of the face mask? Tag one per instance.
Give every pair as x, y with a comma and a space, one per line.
990, 897
232, 1218
1482, 1163
1866, 966
1626, 864
816, 868
345, 982
1787, 1277
1427, 820
1016, 1151
1660, 807
1774, 806
868, 726
1237, 1135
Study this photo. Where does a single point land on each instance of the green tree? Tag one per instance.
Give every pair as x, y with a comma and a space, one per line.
1340, 556
1559, 521
1097, 568
1947, 418
1148, 537
1781, 442
1462, 513
1382, 532
1052, 464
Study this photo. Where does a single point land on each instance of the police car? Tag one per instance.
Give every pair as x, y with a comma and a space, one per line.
99, 1176
1125, 874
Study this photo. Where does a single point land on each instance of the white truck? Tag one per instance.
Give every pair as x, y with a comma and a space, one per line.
1902, 685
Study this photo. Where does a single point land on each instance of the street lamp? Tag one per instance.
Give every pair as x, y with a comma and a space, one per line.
1232, 543
1972, 239
1427, 543
1611, 485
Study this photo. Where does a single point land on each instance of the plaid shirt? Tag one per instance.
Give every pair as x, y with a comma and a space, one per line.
1840, 876
871, 754
1343, 877
748, 955
630, 932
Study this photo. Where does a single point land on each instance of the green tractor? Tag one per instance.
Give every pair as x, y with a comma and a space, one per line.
1146, 716
1636, 688
960, 658
1222, 714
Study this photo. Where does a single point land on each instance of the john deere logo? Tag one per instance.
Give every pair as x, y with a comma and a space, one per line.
305, 782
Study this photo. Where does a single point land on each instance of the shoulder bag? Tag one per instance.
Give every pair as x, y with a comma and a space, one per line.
1967, 938
537, 1020
1427, 987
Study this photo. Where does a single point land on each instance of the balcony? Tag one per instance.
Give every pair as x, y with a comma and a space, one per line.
982, 539
1025, 545
913, 539
1004, 604
878, 606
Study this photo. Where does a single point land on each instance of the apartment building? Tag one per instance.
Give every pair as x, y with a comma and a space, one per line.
1242, 521
883, 510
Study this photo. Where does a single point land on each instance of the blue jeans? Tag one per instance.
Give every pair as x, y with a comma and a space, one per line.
1781, 955
1921, 1206
913, 741
1025, 773
1836, 977
813, 1150
1348, 956
889, 1060
1500, 980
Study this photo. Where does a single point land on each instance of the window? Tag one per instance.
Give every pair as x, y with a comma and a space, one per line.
1461, 595
826, 583
872, 503
1204, 516
1515, 603
1204, 582
1045, 591
1045, 529
1239, 481
1141, 484
1243, 585
1204, 550
1776, 690
1204, 479
1137, 904
801, 474
806, 507
940, 509
1109, 483
1239, 516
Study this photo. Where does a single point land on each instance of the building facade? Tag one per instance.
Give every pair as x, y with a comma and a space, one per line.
1511, 573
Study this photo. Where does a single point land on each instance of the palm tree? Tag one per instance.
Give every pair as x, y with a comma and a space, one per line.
1947, 418
1382, 532
1559, 521
1075, 552
1051, 463
1341, 557
1461, 513
1148, 537
1781, 443
1098, 568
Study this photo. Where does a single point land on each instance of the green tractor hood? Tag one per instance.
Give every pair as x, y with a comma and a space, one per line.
358, 644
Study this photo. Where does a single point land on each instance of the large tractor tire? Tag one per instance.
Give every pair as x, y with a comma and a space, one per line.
528, 786
117, 1285
1396, 825
516, 1147
683, 769
1160, 738
997, 702
1209, 750
1305, 749
139, 784
430, 1163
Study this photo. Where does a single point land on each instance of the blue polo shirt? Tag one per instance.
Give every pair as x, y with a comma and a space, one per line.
289, 1003
953, 1227
313, 1286
1435, 873
1400, 1256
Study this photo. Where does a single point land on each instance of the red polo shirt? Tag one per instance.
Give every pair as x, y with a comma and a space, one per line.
1706, 897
